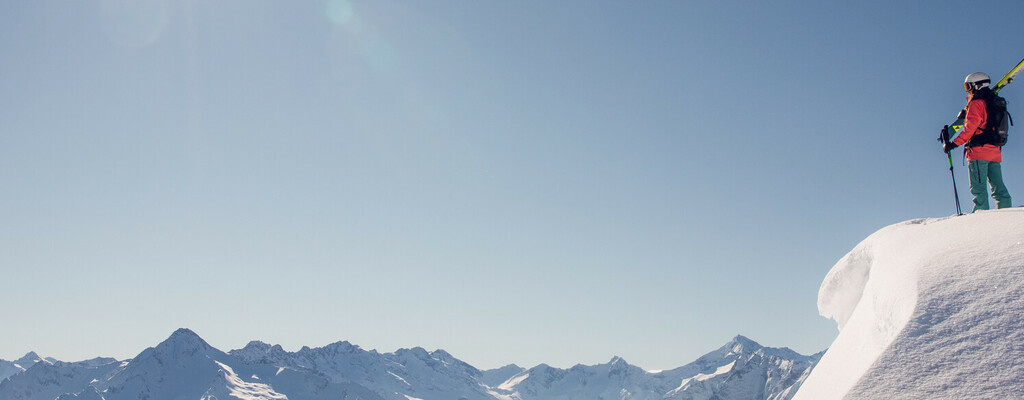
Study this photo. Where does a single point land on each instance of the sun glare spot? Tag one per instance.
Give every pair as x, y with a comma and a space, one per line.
340, 11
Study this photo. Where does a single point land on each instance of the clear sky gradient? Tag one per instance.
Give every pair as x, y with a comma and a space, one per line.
512, 181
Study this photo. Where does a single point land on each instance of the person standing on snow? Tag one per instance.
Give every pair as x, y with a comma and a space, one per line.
984, 159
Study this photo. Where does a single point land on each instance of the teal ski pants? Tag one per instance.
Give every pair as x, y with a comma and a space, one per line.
992, 172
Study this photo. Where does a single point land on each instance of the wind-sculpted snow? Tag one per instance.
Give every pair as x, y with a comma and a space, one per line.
927, 309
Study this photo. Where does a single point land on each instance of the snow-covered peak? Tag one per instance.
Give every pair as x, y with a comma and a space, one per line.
541, 370
415, 352
497, 376
256, 346
927, 309
183, 365
414, 372
442, 355
616, 366
11, 368
431, 375
741, 344
182, 344
342, 347
260, 352
185, 339
30, 359
739, 347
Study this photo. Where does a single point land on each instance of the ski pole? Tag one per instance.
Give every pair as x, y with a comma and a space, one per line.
956, 195
944, 138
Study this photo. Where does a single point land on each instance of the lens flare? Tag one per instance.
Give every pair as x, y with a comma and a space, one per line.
340, 12
355, 39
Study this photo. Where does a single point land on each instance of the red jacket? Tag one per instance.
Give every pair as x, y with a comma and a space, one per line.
974, 123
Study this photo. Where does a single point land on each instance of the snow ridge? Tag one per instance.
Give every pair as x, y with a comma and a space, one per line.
927, 309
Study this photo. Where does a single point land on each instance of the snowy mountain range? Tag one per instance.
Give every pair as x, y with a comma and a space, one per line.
186, 367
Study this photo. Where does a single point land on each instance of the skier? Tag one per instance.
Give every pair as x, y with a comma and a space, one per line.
984, 159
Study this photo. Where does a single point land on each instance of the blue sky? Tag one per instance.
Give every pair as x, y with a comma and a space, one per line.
515, 182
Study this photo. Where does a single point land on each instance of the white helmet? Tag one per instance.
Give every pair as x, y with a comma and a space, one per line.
977, 81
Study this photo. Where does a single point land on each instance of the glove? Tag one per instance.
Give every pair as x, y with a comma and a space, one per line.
948, 146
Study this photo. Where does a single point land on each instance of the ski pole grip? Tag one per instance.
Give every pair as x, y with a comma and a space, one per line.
944, 134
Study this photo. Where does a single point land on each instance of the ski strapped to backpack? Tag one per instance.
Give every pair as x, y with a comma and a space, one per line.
1009, 76
959, 123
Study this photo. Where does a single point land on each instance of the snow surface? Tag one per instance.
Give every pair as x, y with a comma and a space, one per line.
927, 309
230, 386
495, 377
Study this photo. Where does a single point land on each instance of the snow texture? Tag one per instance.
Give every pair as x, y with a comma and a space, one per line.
927, 309
230, 386
496, 377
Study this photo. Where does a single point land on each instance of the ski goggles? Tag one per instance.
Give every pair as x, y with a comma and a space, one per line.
968, 85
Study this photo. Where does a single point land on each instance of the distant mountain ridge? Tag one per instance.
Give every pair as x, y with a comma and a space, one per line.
8, 368
186, 367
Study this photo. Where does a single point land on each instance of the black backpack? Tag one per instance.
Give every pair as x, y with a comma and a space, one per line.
998, 122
